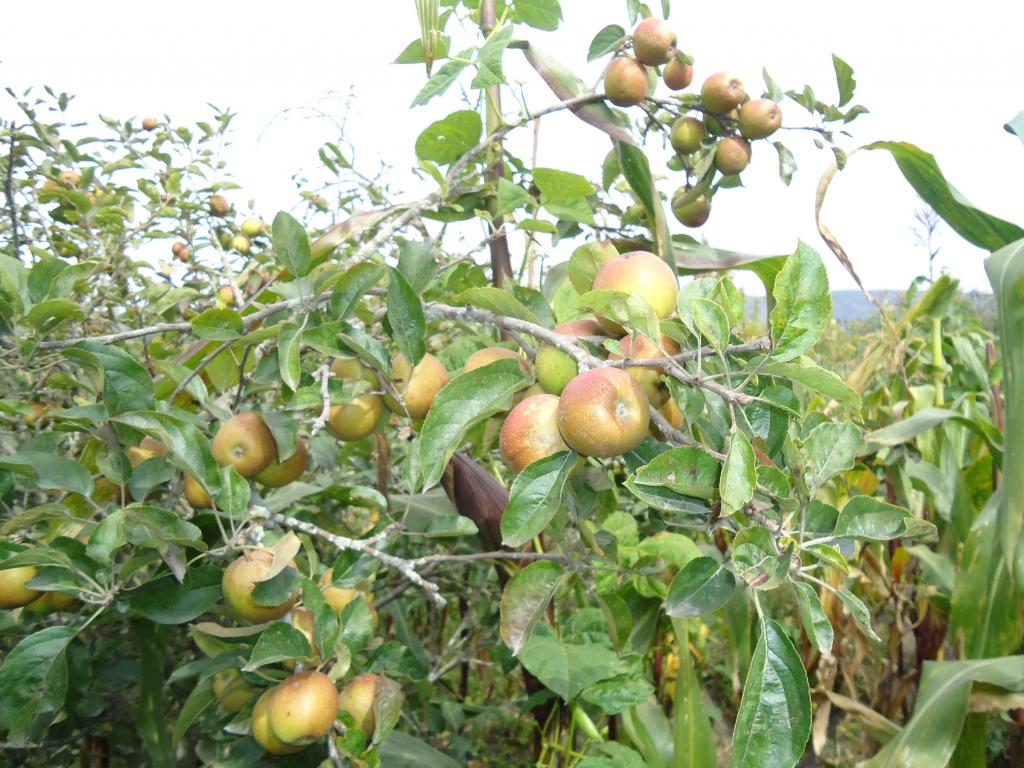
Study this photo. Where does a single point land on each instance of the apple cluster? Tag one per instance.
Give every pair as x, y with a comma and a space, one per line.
728, 119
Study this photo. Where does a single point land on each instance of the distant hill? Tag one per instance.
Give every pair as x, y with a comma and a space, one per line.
851, 305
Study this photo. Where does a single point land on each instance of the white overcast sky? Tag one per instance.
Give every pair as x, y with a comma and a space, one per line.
943, 75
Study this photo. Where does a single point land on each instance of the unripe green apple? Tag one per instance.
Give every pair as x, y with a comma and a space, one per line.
687, 134
252, 226
625, 81
219, 205
196, 495
280, 473
556, 368
355, 419
643, 274
722, 93
303, 708
245, 442
690, 211
231, 690
13, 592
603, 412
417, 386
732, 155
530, 432
760, 118
240, 243
677, 75
357, 699
261, 731
654, 42
239, 581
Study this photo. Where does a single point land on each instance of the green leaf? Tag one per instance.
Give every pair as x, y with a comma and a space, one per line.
756, 558
535, 497
49, 470
568, 668
832, 448
443, 79
489, 61
693, 739
289, 343
352, 286
127, 385
805, 371
416, 262
445, 141
637, 171
856, 608
803, 304
291, 245
166, 601
47, 315
973, 225
585, 261
844, 80
630, 310
930, 736
684, 469
279, 642
870, 519
149, 709
618, 693
702, 587
561, 186
787, 162
712, 322
1015, 126
816, 623
539, 14
406, 318
400, 750
218, 324
774, 719
496, 300
739, 474
34, 681
466, 400
524, 600
200, 698
606, 41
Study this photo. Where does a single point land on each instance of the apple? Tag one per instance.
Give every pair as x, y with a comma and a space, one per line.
722, 93
239, 580
336, 597
226, 294
195, 494
417, 386
677, 75
639, 347
13, 592
674, 416
231, 690
689, 210
280, 473
643, 274
732, 155
261, 731
556, 368
304, 621
488, 355
654, 42
51, 602
530, 432
69, 178
303, 708
150, 123
219, 205
146, 449
760, 118
357, 699
240, 243
603, 412
245, 442
252, 226
358, 418
687, 134
625, 82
